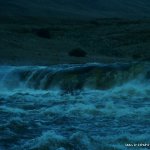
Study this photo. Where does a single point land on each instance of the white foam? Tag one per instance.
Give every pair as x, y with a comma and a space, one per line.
89, 119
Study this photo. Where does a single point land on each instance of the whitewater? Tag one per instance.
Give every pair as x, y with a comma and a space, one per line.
90, 106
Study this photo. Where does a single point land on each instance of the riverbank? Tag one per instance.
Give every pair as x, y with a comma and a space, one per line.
48, 42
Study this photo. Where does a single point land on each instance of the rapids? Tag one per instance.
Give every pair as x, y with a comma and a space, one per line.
74, 107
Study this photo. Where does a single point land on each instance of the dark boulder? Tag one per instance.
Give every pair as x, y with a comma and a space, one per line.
78, 52
42, 32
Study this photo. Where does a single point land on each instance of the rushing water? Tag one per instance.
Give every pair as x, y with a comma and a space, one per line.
74, 107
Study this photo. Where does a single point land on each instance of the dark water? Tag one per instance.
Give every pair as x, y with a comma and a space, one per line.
74, 107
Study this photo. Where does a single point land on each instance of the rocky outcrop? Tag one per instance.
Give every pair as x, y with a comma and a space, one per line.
78, 52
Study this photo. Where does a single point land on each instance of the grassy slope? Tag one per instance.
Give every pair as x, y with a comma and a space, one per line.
105, 40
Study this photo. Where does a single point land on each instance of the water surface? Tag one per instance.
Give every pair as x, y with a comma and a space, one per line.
74, 107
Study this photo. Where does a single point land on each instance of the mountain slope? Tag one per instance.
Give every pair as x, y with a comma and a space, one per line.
79, 8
